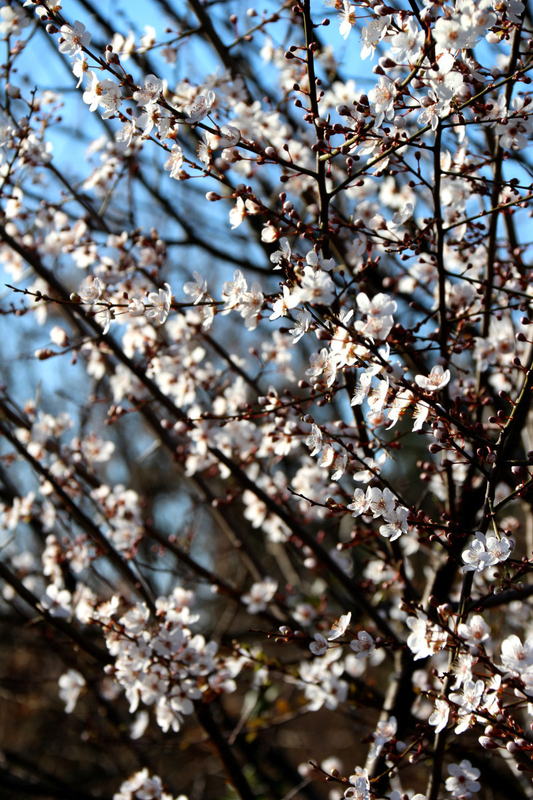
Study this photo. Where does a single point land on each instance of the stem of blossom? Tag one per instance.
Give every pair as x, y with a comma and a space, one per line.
253, 749
178, 414
101, 224
235, 367
80, 517
188, 227
236, 535
416, 12
450, 489
519, 412
354, 139
56, 622
39, 783
364, 441
207, 24
435, 776
240, 542
50, 278
512, 495
308, 539
223, 586
258, 27
494, 600
492, 248
390, 150
142, 60
471, 460
398, 703
225, 751
439, 236
323, 198
491, 211
298, 530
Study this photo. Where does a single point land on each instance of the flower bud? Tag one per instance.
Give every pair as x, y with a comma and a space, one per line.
465, 91
59, 336
44, 353
487, 743
343, 110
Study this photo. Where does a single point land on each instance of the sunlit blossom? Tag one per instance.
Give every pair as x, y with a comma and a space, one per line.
159, 304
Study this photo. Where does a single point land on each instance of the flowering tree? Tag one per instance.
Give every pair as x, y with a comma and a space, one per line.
266, 442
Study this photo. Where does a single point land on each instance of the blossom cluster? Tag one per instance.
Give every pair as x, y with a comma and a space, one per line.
165, 666
352, 276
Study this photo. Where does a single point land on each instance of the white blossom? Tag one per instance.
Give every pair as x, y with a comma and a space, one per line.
196, 289
340, 626
160, 303
201, 107
515, 656
319, 646
382, 99
386, 730
150, 92
174, 161
485, 551
71, 684
437, 379
463, 782
73, 38
363, 646
439, 718
347, 18
259, 595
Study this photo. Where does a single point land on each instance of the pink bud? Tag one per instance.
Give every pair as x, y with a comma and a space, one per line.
487, 743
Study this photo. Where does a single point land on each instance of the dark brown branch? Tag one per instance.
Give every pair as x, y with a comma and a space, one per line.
58, 623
